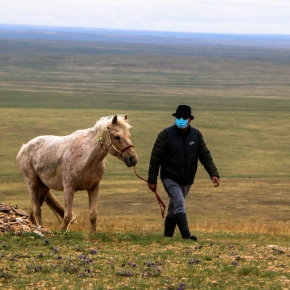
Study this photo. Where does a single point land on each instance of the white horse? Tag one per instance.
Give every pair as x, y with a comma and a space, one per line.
72, 163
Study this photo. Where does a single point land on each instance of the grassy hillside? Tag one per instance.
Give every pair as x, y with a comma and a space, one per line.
239, 98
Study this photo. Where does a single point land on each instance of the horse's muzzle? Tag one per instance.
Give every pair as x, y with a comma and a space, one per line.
130, 161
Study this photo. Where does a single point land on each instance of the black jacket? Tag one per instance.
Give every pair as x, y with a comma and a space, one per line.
179, 161
178, 156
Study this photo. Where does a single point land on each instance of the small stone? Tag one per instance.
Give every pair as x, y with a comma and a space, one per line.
238, 258
38, 233
19, 211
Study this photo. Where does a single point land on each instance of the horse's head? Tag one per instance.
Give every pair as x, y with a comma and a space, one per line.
120, 143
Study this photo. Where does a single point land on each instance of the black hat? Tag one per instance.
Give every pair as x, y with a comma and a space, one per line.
183, 110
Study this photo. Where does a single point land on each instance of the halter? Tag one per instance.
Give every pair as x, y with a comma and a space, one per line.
111, 144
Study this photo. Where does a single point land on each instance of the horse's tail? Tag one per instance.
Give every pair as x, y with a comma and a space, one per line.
54, 205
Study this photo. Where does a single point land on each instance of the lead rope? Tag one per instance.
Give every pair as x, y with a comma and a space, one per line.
161, 204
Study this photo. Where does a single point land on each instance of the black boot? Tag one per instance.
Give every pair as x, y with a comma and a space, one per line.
169, 227
183, 226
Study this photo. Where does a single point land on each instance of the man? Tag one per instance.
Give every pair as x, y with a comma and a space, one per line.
177, 150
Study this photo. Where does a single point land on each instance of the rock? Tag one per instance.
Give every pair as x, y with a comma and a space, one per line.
279, 250
25, 228
5, 208
13, 219
38, 233
19, 211
238, 258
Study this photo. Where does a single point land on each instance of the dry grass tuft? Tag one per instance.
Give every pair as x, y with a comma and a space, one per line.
108, 224
139, 226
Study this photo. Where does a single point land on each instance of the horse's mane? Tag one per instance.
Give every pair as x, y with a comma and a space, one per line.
105, 122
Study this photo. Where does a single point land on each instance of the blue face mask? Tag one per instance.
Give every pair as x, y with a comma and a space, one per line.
180, 123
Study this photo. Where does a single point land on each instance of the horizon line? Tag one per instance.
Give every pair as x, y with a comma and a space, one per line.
139, 30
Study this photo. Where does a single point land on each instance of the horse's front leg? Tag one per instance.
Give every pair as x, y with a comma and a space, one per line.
68, 204
93, 195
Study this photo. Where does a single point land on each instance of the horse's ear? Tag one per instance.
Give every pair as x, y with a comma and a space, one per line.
125, 117
115, 120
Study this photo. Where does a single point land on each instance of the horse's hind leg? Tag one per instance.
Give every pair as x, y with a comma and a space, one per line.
38, 194
37, 189
54, 204
35, 210
93, 195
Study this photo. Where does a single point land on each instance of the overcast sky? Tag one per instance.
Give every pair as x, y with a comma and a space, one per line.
212, 16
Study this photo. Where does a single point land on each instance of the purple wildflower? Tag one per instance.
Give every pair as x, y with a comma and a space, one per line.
37, 268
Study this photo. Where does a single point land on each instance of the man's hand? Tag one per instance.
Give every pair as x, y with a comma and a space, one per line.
152, 186
215, 181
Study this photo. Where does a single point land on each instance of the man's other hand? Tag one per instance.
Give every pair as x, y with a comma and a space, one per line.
215, 181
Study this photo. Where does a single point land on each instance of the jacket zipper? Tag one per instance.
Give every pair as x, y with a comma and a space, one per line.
185, 160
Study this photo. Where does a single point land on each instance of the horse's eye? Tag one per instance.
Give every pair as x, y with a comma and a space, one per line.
117, 138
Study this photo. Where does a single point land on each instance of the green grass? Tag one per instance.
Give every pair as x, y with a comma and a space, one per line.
130, 260
240, 100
